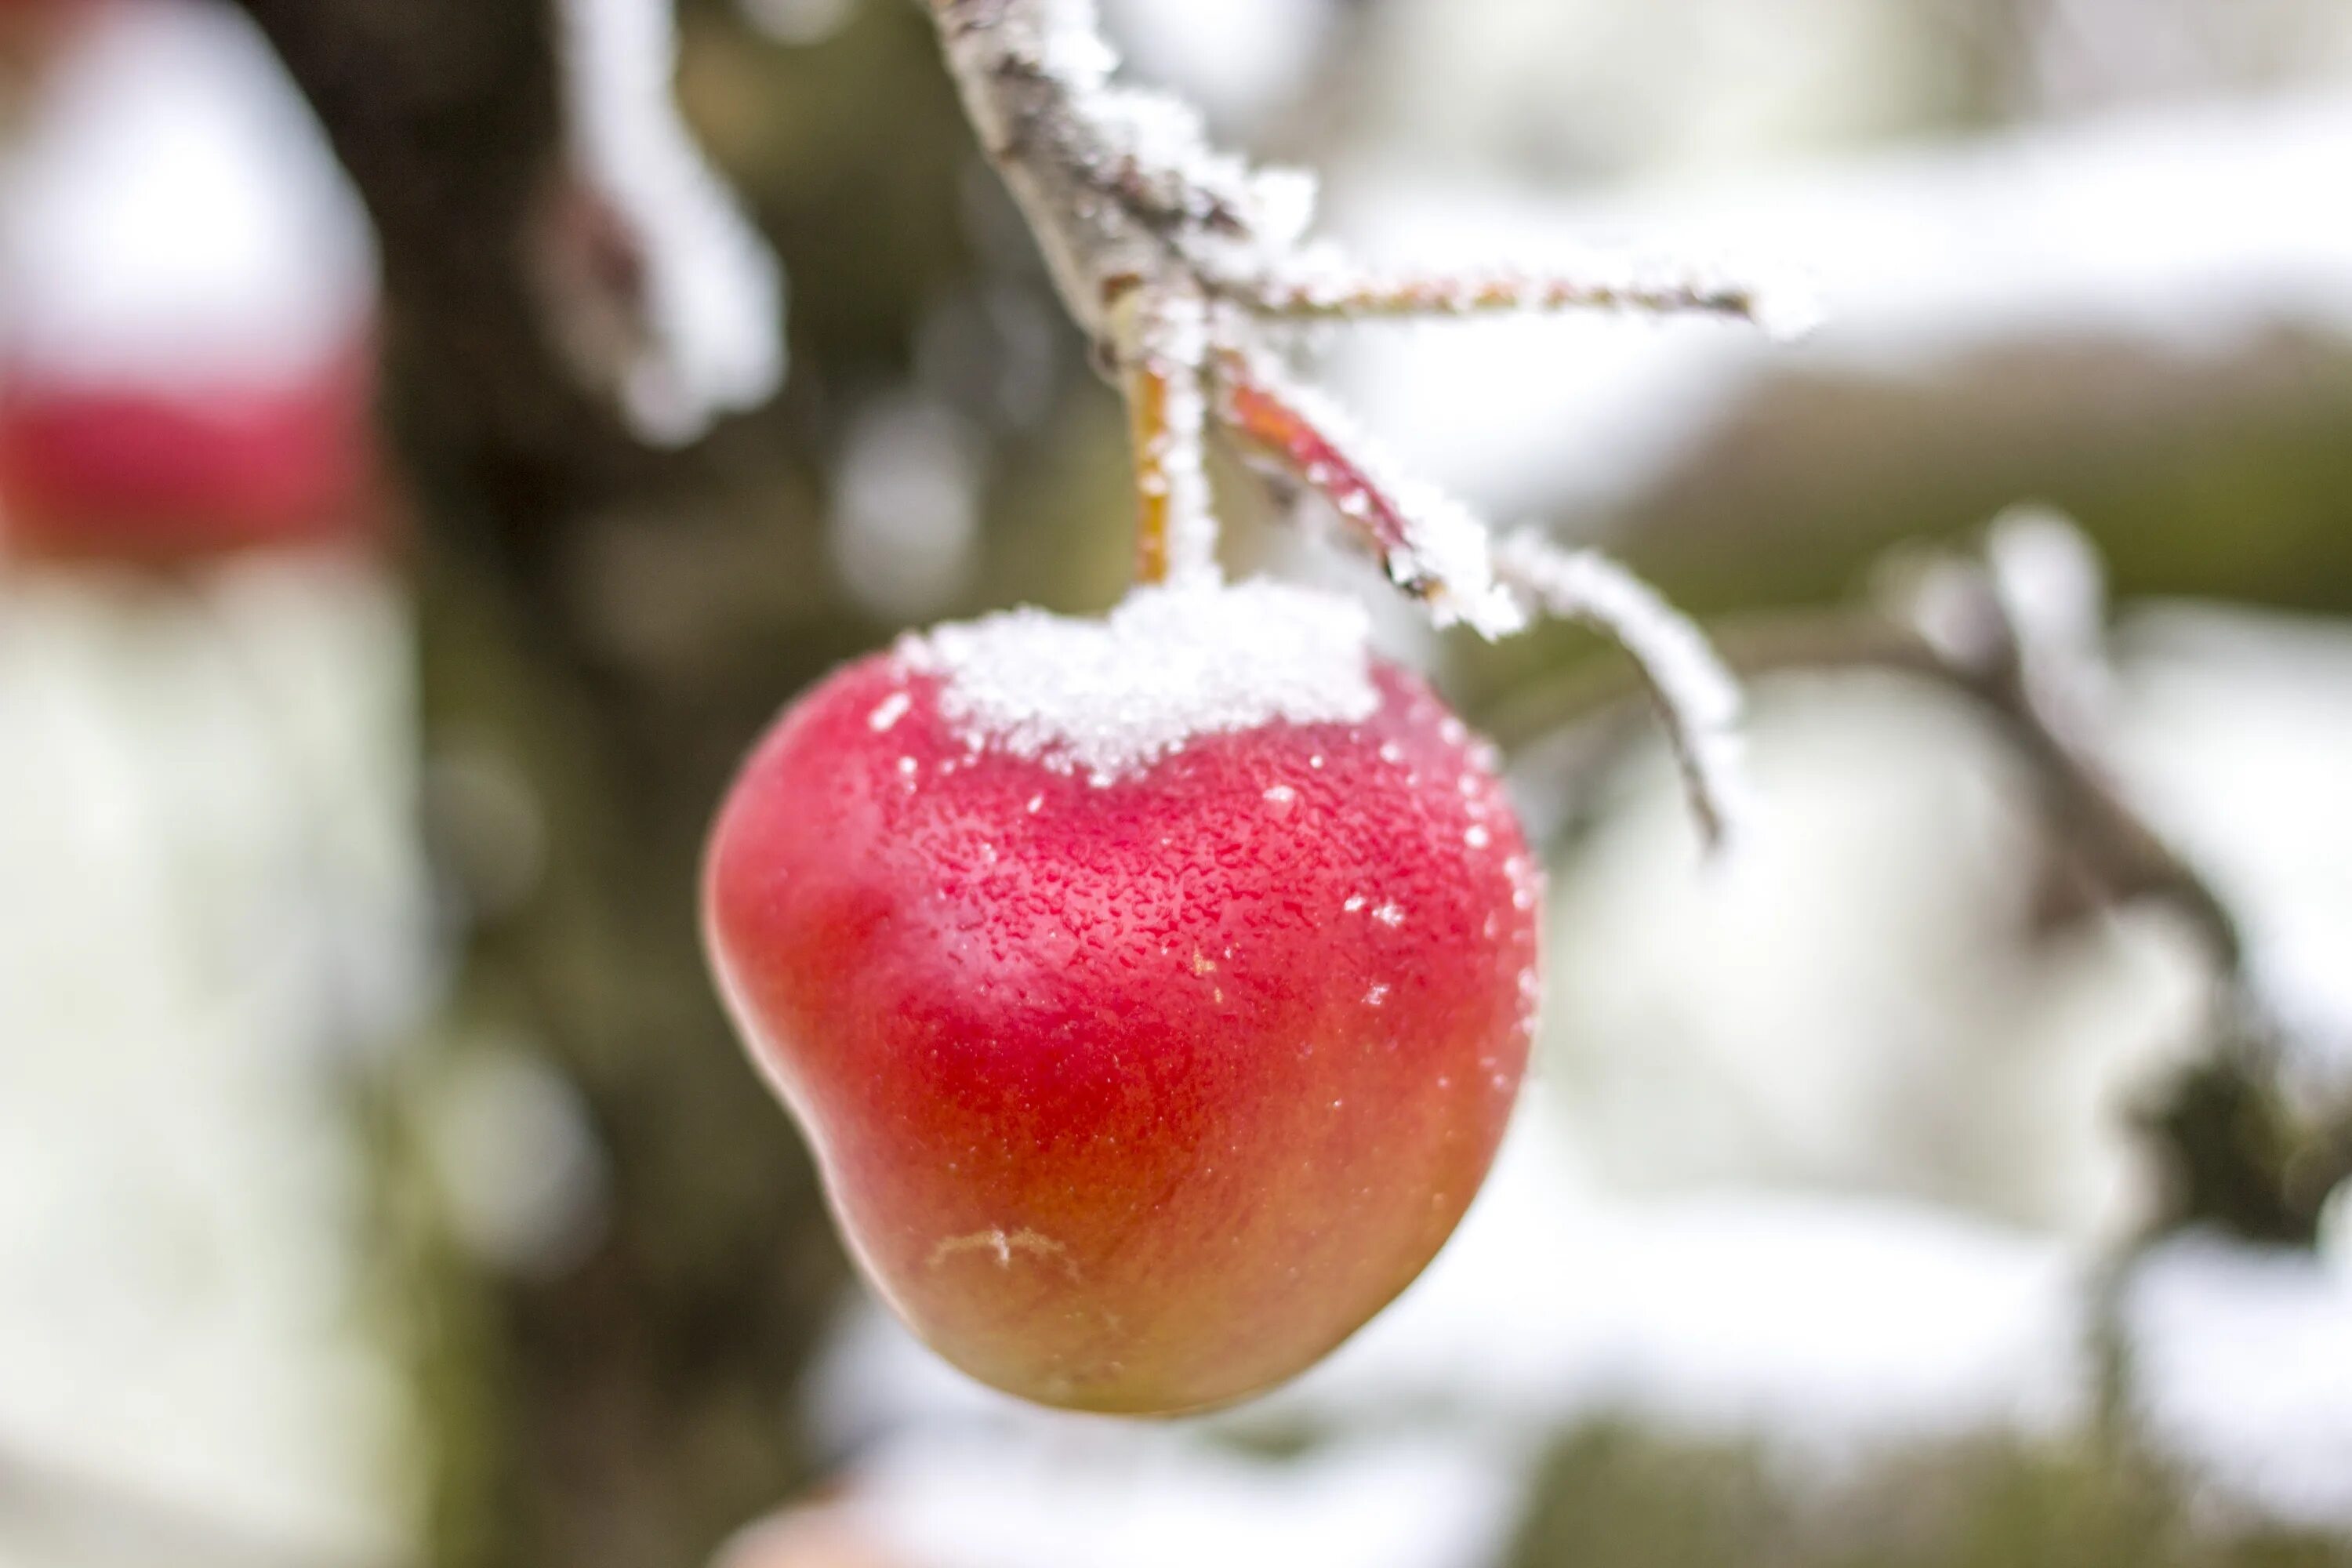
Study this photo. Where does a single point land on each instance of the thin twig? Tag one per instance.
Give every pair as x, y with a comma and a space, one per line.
1431, 547
1343, 292
1695, 694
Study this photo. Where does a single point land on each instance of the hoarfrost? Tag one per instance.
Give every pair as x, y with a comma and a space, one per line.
1108, 698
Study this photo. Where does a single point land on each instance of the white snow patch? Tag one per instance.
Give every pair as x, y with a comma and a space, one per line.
2235, 732
2244, 1362
1170, 664
2191, 231
175, 218
715, 290
1175, 346
1060, 1494
1244, 61
1158, 139
1700, 698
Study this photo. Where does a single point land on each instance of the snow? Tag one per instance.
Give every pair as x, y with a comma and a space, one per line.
173, 216
2234, 730
1322, 281
1155, 144
210, 899
2191, 231
1072, 1495
1858, 998
1243, 60
1108, 698
714, 290
2242, 1358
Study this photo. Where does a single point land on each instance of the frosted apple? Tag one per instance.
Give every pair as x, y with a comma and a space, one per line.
1153, 992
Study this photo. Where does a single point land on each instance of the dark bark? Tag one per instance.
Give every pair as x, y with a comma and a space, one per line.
632, 1411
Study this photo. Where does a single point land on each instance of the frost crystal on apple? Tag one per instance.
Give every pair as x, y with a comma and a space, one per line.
1108, 698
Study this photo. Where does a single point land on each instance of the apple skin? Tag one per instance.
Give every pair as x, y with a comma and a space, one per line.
1136, 1098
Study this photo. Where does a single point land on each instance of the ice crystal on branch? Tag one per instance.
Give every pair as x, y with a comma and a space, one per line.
1182, 260
1322, 283
1694, 691
1429, 544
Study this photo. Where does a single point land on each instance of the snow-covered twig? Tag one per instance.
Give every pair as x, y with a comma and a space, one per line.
1178, 258
1694, 693
1430, 546
1318, 289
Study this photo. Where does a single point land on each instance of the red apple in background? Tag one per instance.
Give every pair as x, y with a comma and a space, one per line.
156, 475
1153, 993
187, 294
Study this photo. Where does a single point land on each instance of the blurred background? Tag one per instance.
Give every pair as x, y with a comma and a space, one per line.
436, 436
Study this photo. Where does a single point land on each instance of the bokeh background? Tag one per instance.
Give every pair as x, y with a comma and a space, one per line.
437, 435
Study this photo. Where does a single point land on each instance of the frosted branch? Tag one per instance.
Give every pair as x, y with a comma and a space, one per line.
1145, 225
1178, 258
1694, 693
1119, 183
1317, 286
1429, 544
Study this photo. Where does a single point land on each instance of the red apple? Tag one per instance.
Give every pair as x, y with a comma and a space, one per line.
1153, 993
158, 475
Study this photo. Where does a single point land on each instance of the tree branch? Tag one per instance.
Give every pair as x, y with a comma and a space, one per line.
1178, 258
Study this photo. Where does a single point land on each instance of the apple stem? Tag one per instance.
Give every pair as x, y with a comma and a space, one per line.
1163, 341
